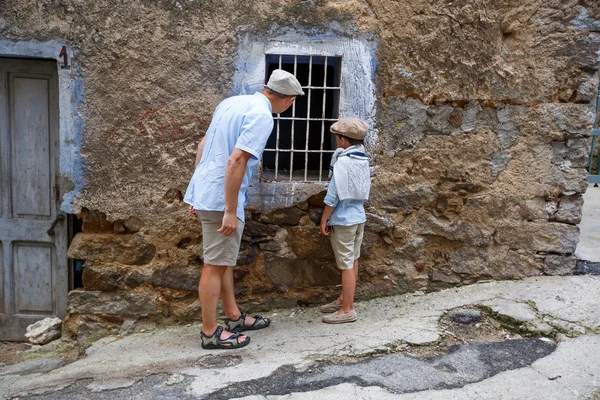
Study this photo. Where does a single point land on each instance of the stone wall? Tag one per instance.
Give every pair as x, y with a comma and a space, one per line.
484, 118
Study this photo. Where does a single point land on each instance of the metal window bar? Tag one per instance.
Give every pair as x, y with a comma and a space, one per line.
293, 115
310, 62
595, 179
307, 118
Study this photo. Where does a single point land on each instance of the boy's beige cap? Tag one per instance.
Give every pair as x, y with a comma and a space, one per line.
353, 128
285, 83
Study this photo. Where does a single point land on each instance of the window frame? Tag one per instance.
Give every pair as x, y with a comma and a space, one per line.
295, 174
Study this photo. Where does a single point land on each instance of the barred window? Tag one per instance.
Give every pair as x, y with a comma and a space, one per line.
300, 146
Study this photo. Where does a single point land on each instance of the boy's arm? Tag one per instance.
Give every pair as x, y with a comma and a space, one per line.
331, 200
326, 214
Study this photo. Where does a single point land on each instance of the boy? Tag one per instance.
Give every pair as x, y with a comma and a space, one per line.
344, 215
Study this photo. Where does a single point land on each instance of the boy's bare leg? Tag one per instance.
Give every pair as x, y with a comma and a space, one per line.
340, 300
209, 290
348, 287
228, 297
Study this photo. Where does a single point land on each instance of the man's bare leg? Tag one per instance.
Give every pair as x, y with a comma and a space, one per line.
209, 289
228, 297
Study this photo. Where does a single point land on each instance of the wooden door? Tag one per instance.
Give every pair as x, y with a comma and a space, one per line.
33, 262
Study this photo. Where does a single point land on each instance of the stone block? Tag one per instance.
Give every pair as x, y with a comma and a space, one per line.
117, 303
185, 278
297, 272
255, 228
492, 262
463, 231
559, 265
449, 202
133, 224
534, 209
307, 242
95, 221
285, 216
408, 197
124, 249
101, 277
569, 210
538, 236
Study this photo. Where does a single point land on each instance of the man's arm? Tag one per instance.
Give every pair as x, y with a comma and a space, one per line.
199, 152
234, 173
198, 158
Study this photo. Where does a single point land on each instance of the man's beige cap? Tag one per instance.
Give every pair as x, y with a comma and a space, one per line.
350, 127
285, 83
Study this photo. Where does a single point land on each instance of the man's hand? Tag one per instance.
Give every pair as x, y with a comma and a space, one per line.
324, 228
230, 224
193, 212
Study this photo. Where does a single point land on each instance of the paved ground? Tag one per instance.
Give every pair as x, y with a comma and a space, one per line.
589, 240
537, 339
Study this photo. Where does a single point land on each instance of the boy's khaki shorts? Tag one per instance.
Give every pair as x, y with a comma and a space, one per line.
346, 242
219, 250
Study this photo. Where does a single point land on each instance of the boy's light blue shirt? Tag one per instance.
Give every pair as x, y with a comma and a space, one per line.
243, 122
346, 212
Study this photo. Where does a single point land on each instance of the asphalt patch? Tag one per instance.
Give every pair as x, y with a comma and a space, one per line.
399, 373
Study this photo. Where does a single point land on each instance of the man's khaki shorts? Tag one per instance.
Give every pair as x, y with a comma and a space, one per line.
219, 250
346, 241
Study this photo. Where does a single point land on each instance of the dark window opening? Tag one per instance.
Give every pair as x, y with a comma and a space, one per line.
75, 266
301, 145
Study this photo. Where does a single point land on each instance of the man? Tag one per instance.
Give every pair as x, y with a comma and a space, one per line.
225, 162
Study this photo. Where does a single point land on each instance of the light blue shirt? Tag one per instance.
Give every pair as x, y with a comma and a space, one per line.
243, 122
346, 212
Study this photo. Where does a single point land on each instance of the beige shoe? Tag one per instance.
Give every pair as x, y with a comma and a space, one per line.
330, 307
336, 318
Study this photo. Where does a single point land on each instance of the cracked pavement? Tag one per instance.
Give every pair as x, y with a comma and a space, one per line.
299, 357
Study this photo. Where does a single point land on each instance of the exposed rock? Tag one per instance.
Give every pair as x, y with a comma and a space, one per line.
125, 249
37, 366
559, 265
443, 274
465, 316
44, 331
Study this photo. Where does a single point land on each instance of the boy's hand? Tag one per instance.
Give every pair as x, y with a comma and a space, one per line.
324, 228
193, 212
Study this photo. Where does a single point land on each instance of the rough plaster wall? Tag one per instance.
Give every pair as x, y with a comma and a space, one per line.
484, 116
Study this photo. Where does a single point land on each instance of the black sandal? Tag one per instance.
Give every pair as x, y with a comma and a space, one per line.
239, 325
214, 341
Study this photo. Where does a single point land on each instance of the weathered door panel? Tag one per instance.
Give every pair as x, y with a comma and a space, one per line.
33, 267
